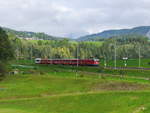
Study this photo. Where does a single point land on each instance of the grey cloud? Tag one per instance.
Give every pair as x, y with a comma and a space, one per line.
73, 18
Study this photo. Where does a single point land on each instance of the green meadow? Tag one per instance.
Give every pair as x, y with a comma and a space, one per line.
67, 89
130, 63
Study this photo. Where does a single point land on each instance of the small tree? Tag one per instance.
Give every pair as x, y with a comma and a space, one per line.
122, 73
6, 52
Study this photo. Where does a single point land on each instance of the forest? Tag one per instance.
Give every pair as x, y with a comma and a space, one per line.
125, 46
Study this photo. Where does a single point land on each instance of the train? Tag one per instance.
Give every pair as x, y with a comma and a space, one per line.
81, 62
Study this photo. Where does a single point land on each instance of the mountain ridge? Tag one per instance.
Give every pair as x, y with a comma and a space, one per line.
141, 30
31, 35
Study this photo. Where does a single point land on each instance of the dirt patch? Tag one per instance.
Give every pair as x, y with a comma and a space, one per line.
139, 109
119, 86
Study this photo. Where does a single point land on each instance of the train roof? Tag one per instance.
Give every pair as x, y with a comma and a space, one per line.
65, 59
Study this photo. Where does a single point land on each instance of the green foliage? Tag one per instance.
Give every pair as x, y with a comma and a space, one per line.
142, 30
3, 70
63, 49
31, 35
6, 52
126, 46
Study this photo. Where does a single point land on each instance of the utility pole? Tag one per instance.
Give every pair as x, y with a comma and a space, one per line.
139, 56
105, 64
31, 54
17, 55
115, 55
77, 57
77, 60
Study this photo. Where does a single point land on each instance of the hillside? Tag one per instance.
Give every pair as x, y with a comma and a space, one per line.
31, 35
59, 89
143, 30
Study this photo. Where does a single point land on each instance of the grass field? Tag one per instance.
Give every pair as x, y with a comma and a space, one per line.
59, 89
118, 102
120, 63
54, 94
130, 63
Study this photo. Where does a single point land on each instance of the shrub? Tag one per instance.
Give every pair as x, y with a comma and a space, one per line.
3, 70
6, 52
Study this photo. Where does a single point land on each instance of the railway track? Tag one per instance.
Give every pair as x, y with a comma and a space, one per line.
130, 68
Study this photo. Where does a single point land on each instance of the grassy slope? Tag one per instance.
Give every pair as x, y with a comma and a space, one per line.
117, 102
56, 89
130, 63
54, 94
28, 86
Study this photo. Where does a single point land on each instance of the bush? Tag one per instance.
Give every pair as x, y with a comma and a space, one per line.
101, 69
3, 70
6, 52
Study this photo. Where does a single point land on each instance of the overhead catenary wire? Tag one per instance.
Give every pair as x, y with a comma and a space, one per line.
115, 55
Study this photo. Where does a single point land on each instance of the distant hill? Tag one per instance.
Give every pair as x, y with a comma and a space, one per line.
143, 30
31, 35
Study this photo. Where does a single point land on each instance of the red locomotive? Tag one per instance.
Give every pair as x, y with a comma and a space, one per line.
82, 62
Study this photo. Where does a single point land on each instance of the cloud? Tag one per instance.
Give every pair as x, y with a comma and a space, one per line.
73, 18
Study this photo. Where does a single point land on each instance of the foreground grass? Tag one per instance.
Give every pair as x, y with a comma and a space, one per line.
57, 93
111, 102
59, 89
28, 86
38, 85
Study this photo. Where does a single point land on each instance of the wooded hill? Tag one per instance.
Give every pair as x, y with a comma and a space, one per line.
143, 30
31, 35
127, 46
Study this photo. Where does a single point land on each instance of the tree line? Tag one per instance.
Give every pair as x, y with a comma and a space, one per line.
6, 52
129, 46
126, 46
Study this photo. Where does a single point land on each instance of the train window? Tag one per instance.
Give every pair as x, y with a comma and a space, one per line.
37, 60
73, 61
96, 59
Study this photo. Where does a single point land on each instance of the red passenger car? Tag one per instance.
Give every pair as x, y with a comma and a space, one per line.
83, 62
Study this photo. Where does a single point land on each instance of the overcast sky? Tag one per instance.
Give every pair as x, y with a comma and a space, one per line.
73, 18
